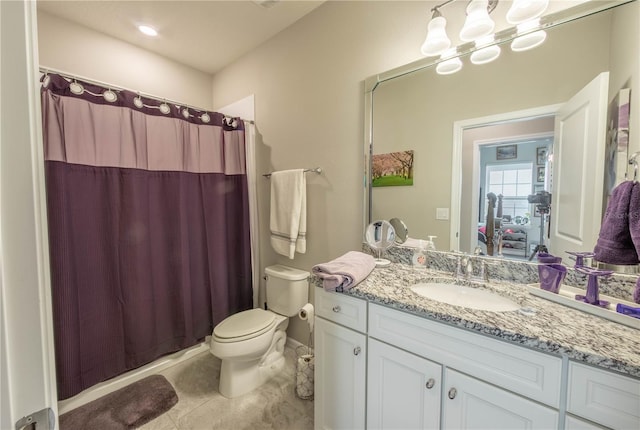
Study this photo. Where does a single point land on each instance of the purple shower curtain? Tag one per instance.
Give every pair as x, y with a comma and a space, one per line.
148, 228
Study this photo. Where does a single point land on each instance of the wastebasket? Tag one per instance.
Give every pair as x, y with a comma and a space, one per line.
304, 372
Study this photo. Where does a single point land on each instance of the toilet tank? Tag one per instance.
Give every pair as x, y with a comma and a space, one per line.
287, 289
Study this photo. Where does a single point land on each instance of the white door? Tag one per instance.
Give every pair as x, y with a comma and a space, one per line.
578, 169
471, 404
403, 390
27, 374
340, 371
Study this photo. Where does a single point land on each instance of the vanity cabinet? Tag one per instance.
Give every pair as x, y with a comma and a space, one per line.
470, 373
399, 370
340, 365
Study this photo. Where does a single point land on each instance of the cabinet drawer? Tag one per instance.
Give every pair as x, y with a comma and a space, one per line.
515, 368
604, 397
344, 310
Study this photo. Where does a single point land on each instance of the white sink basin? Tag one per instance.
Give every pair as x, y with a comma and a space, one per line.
466, 297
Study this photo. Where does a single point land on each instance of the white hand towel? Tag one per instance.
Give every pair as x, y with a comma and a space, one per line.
288, 212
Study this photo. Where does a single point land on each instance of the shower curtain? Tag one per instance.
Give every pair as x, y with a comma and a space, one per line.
148, 223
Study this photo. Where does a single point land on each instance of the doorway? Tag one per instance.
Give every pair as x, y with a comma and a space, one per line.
508, 141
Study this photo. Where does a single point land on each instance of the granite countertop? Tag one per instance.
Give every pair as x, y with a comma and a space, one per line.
552, 328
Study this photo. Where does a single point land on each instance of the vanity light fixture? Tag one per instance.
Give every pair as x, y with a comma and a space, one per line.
478, 23
148, 30
488, 53
524, 10
437, 40
478, 28
450, 65
528, 40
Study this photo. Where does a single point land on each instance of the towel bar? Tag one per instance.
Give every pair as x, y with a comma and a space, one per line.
317, 170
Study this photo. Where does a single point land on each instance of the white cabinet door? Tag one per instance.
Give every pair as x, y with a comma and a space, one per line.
403, 390
471, 404
340, 371
604, 397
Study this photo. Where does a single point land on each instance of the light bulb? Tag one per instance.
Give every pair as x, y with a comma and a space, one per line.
524, 10
485, 55
449, 66
478, 22
437, 41
528, 41
485, 52
525, 40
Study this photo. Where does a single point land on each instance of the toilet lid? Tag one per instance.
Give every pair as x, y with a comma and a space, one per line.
244, 323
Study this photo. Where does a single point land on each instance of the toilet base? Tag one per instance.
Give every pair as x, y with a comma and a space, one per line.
241, 377
238, 378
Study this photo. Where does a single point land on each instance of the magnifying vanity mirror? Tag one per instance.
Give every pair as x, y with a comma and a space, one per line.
380, 236
402, 232
499, 127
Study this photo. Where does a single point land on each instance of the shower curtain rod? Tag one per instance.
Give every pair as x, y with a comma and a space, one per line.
47, 70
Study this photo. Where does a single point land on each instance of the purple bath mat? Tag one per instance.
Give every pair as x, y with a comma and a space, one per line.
127, 408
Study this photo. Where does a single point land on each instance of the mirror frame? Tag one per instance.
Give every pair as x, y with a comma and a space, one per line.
371, 83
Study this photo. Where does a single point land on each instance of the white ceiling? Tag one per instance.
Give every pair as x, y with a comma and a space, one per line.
206, 35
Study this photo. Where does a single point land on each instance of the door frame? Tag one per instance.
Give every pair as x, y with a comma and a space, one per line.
456, 164
27, 360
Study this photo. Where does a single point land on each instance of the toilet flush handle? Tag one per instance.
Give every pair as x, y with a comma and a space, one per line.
337, 308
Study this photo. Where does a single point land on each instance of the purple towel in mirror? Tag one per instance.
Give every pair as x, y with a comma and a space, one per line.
615, 243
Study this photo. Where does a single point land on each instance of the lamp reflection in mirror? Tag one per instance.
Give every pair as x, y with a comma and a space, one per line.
486, 54
452, 65
528, 40
478, 23
524, 10
437, 40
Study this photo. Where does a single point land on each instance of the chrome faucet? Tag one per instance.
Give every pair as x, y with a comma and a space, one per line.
467, 267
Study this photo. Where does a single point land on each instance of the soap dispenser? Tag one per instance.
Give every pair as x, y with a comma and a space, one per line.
419, 259
431, 245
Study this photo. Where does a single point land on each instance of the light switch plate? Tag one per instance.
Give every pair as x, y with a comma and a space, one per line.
442, 213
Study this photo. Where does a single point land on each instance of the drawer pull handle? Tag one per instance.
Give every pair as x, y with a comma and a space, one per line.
357, 350
336, 308
452, 393
430, 383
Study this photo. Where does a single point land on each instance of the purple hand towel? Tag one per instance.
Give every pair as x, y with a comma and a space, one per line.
345, 271
634, 216
615, 244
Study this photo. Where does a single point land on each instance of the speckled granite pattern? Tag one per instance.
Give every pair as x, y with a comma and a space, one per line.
553, 328
517, 271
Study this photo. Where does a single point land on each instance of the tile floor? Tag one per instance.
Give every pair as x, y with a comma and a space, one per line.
200, 407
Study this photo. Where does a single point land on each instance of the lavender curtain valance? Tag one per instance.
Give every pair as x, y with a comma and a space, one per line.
88, 129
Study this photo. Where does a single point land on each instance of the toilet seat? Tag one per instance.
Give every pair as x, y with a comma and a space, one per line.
244, 325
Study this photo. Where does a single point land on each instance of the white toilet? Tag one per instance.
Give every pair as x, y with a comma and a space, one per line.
251, 343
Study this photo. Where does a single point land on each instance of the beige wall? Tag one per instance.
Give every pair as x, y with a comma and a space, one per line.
625, 38
308, 86
78, 50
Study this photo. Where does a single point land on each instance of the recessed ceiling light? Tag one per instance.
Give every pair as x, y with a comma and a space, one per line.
149, 31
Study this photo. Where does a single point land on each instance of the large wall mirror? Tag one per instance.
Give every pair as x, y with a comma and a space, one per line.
495, 127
